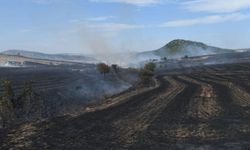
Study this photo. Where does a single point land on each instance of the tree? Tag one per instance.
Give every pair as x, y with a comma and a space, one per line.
115, 68
26, 98
103, 68
28, 105
32, 104
7, 110
150, 66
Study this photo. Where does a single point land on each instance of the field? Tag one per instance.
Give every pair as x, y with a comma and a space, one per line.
195, 108
26, 61
67, 89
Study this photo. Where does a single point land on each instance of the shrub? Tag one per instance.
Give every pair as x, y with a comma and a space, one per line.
32, 103
186, 57
147, 72
115, 68
164, 59
29, 105
150, 66
7, 110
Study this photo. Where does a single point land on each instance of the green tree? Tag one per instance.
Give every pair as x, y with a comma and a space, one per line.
26, 98
7, 110
32, 104
103, 68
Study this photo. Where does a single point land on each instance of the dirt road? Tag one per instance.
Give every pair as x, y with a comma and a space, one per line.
198, 108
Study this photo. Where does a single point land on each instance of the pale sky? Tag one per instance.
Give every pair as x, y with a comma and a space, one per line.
86, 26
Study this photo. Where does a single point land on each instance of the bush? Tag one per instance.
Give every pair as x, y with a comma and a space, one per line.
7, 110
150, 66
164, 58
186, 57
31, 102
115, 68
29, 105
147, 73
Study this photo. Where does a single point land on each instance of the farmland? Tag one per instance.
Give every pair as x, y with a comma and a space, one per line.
200, 107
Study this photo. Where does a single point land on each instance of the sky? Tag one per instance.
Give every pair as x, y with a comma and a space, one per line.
90, 26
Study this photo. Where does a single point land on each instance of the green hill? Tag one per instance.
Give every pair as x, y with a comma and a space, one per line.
179, 48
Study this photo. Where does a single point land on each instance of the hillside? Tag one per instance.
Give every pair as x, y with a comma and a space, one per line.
22, 61
58, 57
179, 48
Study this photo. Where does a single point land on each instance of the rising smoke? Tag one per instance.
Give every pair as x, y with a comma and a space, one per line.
105, 43
103, 47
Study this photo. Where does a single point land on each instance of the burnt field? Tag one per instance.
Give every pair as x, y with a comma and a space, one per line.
196, 108
66, 89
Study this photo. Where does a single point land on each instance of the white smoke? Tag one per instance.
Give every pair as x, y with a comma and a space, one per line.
104, 47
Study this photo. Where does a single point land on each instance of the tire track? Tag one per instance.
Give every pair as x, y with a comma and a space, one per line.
164, 128
135, 123
239, 91
204, 104
231, 109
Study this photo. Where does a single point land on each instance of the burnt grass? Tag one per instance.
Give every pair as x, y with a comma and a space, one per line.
197, 108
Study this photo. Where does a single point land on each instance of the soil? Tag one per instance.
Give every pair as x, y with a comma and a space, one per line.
197, 108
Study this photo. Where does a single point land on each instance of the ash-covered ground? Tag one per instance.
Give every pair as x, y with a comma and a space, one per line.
196, 103
67, 89
205, 107
186, 62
